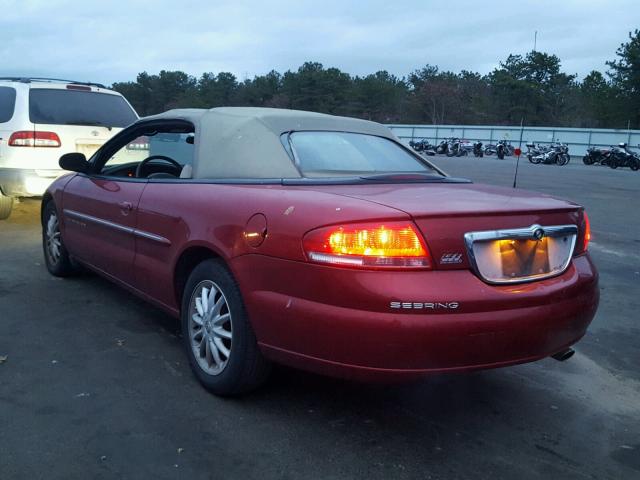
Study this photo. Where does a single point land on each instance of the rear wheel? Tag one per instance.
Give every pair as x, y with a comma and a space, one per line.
219, 341
56, 257
6, 205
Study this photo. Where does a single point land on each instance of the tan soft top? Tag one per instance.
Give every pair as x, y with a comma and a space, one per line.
244, 142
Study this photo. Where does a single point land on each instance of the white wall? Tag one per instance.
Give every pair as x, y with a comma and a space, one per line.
578, 139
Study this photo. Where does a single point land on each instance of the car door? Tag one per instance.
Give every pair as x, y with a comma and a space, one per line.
100, 219
100, 209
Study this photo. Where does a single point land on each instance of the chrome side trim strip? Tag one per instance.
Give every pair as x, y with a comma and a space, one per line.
534, 232
116, 226
96, 220
151, 236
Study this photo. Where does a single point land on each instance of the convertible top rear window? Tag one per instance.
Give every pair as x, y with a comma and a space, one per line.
321, 154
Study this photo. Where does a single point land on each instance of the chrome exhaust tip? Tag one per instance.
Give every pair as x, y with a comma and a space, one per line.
564, 355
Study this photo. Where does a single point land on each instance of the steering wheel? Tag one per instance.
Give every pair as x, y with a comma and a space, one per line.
141, 169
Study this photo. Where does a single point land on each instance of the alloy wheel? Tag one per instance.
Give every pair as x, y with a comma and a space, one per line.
52, 238
210, 327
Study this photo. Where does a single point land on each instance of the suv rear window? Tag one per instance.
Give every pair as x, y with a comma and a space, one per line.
7, 103
76, 107
342, 153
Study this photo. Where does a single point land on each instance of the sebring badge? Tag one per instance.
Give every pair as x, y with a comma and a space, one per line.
425, 305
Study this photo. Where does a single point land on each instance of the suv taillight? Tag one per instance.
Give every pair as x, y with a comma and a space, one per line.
368, 245
27, 138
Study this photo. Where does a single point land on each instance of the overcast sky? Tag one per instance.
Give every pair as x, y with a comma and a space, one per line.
113, 40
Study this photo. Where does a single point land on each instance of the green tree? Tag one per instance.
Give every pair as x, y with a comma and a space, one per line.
217, 90
317, 89
625, 76
378, 97
533, 88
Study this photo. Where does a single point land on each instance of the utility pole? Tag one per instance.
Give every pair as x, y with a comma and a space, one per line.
535, 40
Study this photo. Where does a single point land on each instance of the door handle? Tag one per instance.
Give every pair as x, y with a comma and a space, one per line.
125, 207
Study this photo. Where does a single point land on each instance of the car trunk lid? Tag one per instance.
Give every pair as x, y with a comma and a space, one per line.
446, 212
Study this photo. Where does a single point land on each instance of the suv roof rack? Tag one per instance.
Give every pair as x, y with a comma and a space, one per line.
45, 79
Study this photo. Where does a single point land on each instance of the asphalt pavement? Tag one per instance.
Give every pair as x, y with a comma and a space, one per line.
94, 383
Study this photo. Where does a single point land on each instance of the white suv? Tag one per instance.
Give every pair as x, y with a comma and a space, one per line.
42, 119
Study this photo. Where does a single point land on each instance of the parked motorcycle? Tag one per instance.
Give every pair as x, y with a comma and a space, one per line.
423, 146
466, 146
443, 147
456, 148
596, 155
535, 152
623, 157
557, 153
477, 149
503, 148
490, 149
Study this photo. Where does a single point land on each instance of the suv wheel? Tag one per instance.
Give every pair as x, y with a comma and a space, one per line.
6, 205
219, 341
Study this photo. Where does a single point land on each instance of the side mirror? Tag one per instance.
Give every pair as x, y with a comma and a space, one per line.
74, 162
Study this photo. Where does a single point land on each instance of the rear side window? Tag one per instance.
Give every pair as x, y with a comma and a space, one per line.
7, 103
342, 153
76, 107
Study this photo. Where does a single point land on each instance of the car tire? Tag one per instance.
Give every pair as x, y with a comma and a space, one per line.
56, 256
218, 338
6, 206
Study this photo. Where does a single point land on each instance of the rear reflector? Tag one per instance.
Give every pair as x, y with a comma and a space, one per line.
388, 245
26, 138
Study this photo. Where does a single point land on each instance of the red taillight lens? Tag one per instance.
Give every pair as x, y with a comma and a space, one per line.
584, 235
381, 245
27, 138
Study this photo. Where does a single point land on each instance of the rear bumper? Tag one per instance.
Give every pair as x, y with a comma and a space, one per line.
18, 182
338, 322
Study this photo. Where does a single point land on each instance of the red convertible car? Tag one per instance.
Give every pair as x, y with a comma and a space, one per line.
323, 243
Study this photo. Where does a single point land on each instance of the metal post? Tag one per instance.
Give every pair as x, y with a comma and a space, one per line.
589, 140
413, 133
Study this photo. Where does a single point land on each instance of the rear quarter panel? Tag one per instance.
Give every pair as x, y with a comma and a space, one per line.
214, 216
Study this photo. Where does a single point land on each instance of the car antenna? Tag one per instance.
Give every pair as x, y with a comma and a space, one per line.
518, 152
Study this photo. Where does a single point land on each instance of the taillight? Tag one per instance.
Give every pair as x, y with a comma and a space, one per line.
585, 235
28, 138
379, 245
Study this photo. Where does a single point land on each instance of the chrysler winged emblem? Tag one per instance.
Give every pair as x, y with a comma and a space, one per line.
538, 233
